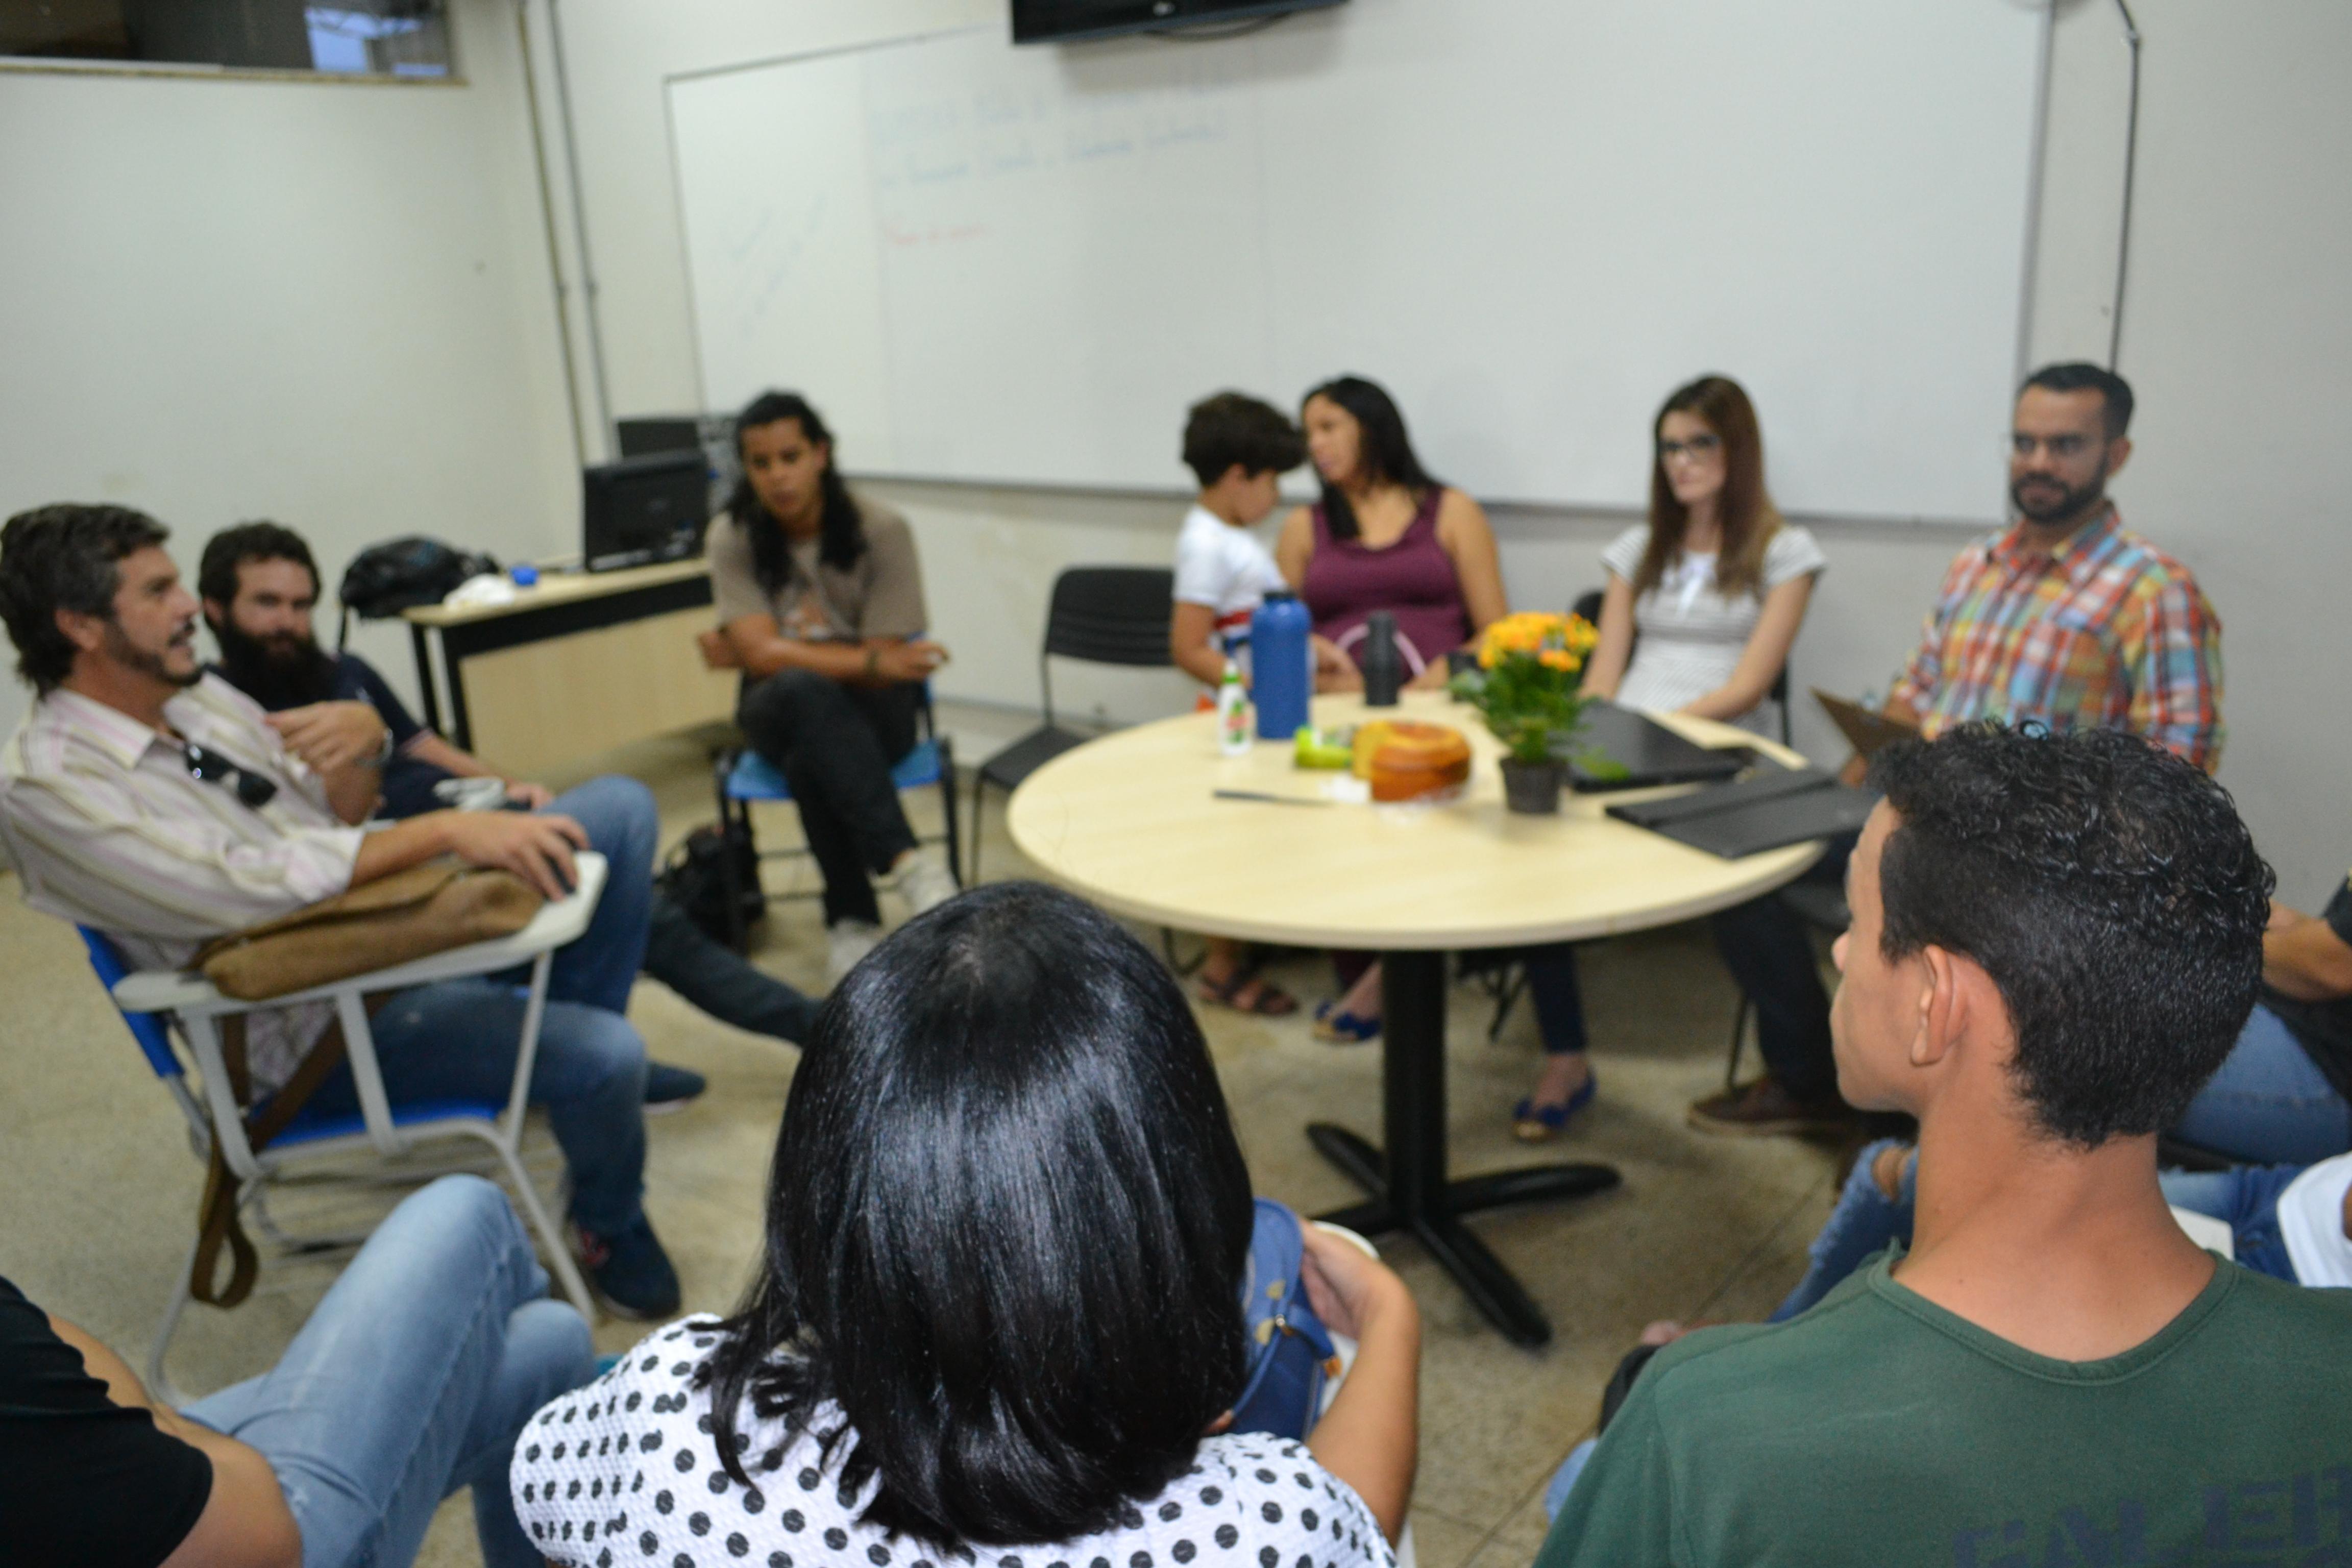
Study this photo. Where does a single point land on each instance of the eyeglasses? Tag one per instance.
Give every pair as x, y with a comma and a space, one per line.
1698, 448
252, 788
2068, 446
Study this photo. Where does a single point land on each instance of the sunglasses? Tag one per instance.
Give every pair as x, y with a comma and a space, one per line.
252, 788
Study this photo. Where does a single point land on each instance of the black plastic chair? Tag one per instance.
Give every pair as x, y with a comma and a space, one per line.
1103, 615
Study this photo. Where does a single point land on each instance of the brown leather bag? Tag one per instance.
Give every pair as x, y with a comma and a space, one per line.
408, 915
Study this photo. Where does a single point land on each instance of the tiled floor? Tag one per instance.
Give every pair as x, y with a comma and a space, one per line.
103, 1188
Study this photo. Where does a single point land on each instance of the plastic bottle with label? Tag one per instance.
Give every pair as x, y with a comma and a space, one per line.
1233, 712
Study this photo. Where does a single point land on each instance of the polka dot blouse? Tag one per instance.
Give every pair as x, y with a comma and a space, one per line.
624, 1474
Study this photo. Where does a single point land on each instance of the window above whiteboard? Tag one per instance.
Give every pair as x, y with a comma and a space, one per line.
344, 38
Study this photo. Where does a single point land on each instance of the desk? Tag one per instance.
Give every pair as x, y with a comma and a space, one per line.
579, 663
1128, 820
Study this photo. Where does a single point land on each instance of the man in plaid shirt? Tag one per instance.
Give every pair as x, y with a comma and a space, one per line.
2064, 619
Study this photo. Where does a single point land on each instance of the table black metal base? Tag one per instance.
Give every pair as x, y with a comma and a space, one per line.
1408, 1188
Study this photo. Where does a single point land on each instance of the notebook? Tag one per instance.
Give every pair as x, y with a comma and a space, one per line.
1771, 811
1868, 732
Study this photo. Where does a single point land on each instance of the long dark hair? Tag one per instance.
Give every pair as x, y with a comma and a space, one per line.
1383, 451
1745, 512
841, 536
1007, 1227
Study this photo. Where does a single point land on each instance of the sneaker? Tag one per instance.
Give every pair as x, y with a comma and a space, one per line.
629, 1270
845, 942
1765, 1110
924, 881
668, 1089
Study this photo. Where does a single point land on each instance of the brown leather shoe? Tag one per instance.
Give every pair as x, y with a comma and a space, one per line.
1765, 1110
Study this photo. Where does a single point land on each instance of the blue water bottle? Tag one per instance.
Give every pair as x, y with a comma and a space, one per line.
1282, 666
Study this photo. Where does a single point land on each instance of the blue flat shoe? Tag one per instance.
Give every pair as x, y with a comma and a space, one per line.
1533, 1123
1335, 1026
669, 1088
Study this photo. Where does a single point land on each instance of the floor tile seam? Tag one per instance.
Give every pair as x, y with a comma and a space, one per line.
1773, 1234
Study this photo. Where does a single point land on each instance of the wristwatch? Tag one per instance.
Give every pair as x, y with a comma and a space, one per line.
384, 753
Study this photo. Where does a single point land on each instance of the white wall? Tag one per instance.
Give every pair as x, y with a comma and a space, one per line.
325, 302
2236, 338
330, 302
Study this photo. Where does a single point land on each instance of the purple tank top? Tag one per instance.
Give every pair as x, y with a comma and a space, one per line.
1412, 580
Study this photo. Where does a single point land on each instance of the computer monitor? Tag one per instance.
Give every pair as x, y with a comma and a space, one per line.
656, 433
643, 509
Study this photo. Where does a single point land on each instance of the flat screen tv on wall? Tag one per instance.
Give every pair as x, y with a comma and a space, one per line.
1062, 21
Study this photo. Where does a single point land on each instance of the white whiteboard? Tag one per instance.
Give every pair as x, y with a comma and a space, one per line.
1528, 218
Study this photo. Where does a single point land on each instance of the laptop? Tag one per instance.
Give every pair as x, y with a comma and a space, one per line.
1650, 754
1869, 732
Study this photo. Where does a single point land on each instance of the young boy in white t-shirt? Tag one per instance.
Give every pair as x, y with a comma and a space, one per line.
1238, 448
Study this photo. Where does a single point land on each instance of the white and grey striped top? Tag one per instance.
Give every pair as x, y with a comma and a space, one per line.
1688, 637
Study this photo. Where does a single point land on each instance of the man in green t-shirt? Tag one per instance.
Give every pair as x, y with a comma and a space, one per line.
2054, 942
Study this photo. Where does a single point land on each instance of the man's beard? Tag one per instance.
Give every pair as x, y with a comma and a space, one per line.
287, 671
2071, 503
123, 651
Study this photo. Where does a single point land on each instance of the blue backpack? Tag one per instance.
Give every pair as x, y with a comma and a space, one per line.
1290, 1351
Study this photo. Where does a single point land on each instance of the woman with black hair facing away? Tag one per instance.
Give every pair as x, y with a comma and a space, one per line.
998, 1315
820, 602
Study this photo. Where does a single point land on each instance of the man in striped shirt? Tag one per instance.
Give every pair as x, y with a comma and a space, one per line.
2065, 618
157, 803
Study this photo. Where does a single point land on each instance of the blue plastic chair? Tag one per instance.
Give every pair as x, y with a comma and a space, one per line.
744, 777
155, 1004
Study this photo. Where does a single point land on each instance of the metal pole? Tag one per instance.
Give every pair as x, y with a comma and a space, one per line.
2131, 169
580, 227
555, 275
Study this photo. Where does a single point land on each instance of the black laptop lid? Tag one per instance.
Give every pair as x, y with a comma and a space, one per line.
1649, 751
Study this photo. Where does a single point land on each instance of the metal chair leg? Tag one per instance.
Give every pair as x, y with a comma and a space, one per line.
1738, 1042
948, 809
551, 1237
158, 1381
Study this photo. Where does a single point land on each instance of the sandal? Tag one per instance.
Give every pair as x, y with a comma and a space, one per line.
1271, 1001
1335, 1026
1533, 1123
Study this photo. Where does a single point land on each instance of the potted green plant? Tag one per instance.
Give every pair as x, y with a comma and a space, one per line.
1529, 687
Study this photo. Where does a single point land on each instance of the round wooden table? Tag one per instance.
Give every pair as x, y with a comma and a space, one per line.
1132, 821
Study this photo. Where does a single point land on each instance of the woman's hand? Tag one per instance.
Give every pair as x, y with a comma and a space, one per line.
1347, 1289
1370, 1437
1334, 671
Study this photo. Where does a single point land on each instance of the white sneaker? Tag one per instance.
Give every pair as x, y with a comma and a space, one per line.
845, 942
924, 881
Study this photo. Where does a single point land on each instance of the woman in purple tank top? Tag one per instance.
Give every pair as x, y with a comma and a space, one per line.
1385, 536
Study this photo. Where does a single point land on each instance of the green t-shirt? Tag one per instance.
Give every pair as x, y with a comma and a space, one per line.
1879, 1429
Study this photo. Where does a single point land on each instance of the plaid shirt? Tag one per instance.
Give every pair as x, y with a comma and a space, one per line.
2107, 631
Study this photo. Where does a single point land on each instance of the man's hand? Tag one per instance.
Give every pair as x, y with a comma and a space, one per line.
530, 796
538, 849
1856, 769
330, 736
906, 661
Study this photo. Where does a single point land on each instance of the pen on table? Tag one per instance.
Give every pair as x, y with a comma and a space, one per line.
1261, 795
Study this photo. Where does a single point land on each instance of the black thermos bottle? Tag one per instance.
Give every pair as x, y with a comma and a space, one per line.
1384, 666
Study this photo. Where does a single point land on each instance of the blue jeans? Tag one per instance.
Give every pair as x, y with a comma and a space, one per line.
410, 1380
458, 1039
1865, 1221
2270, 1102
2245, 1198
